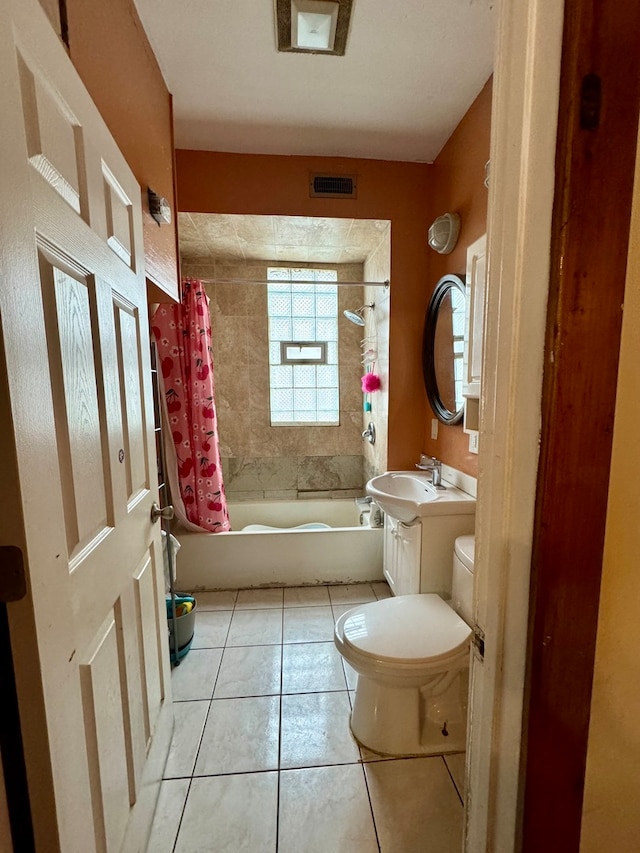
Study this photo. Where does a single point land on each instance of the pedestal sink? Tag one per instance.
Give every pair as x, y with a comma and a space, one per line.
408, 495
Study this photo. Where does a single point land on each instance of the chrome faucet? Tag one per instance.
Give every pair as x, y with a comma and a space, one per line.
435, 466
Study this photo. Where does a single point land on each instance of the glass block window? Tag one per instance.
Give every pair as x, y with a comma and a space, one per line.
303, 346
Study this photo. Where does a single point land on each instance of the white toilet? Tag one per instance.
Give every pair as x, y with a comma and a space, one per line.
411, 654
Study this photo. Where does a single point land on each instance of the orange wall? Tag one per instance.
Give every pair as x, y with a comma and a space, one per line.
458, 187
110, 50
210, 182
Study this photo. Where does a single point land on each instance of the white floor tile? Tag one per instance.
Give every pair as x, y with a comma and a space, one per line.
258, 599
171, 800
339, 609
356, 593
315, 731
415, 806
249, 671
241, 736
311, 668
189, 723
325, 810
255, 628
350, 674
308, 625
368, 755
211, 629
230, 814
381, 590
306, 596
223, 600
196, 675
456, 765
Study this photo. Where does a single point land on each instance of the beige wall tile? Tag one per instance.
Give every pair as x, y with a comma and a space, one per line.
231, 341
329, 472
285, 477
286, 495
323, 233
233, 428
240, 345
352, 272
268, 473
255, 229
259, 391
255, 495
377, 268
234, 299
258, 331
292, 230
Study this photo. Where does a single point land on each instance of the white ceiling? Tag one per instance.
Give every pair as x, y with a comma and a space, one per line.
209, 236
412, 69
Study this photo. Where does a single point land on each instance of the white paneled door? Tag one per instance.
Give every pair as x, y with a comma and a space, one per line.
89, 640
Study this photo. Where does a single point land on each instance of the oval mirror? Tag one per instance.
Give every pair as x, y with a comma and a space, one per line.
443, 348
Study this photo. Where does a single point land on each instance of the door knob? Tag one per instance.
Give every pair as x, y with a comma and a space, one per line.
165, 512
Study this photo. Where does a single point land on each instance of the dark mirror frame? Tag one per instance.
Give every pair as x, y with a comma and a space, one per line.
442, 288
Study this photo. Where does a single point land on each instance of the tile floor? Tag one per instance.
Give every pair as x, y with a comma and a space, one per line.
263, 760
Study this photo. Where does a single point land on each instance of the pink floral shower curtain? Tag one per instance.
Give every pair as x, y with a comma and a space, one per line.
183, 336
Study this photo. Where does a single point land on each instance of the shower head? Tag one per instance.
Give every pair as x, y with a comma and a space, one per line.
356, 316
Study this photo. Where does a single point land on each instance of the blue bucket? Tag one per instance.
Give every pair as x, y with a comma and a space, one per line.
185, 626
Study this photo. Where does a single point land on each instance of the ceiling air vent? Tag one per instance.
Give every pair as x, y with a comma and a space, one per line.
333, 186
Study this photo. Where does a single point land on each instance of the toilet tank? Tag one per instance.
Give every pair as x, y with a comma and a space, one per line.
462, 584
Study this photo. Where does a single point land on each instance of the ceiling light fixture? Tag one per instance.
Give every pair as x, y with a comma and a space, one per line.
313, 26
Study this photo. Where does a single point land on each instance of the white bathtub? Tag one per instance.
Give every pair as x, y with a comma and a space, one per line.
346, 553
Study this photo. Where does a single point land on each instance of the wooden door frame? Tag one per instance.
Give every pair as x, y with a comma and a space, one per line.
514, 798
597, 136
521, 189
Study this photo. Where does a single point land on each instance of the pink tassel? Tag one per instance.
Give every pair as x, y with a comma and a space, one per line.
370, 382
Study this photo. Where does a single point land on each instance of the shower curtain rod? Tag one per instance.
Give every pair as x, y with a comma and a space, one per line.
384, 284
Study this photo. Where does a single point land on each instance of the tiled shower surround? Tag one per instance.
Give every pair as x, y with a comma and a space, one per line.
288, 477
376, 268
261, 461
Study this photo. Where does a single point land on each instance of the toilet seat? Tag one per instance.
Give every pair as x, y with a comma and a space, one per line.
409, 629
411, 655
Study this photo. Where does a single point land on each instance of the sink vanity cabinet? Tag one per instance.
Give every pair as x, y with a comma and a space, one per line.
402, 554
418, 555
420, 528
